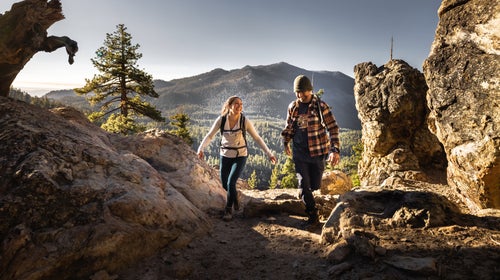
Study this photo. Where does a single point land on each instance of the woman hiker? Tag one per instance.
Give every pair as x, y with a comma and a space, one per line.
233, 126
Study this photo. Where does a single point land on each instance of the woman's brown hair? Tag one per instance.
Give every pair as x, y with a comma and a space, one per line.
227, 104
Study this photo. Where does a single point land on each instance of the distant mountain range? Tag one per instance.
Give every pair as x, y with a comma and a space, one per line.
266, 91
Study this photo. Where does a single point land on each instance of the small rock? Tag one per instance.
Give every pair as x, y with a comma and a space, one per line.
425, 266
103, 275
338, 251
339, 269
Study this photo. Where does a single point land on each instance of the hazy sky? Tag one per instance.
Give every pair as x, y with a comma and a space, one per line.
182, 38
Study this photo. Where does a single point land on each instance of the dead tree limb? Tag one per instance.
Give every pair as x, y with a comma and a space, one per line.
23, 33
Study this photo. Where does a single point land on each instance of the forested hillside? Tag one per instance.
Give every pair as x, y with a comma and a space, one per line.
43, 102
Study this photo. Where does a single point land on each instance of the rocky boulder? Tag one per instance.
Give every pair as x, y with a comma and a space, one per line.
391, 106
463, 75
272, 201
75, 200
335, 182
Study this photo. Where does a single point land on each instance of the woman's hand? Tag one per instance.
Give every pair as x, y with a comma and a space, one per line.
273, 159
200, 155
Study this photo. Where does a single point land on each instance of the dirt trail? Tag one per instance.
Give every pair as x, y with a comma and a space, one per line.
267, 247
275, 246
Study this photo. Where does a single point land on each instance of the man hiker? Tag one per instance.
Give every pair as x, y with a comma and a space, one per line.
314, 133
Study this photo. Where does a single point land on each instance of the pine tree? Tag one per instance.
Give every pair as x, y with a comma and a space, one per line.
253, 182
289, 179
275, 176
119, 88
180, 121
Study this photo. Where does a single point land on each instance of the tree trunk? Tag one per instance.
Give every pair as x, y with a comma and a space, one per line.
23, 33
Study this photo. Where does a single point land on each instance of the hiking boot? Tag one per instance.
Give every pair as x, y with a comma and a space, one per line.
313, 220
236, 205
228, 216
311, 224
313, 215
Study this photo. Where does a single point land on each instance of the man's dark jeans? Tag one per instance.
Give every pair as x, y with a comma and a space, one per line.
310, 173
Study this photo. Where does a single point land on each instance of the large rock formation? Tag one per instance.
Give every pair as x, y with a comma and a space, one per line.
75, 200
463, 75
396, 141
24, 33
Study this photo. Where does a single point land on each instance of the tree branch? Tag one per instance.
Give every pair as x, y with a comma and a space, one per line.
24, 33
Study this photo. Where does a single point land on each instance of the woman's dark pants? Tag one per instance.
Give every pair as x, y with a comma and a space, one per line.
230, 171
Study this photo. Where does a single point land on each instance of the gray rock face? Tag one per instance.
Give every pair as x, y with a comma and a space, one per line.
391, 106
75, 199
463, 75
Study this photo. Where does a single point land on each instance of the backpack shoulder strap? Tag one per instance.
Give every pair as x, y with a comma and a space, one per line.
242, 125
222, 123
320, 111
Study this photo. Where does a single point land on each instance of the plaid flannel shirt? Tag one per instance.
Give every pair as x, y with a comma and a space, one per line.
320, 143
